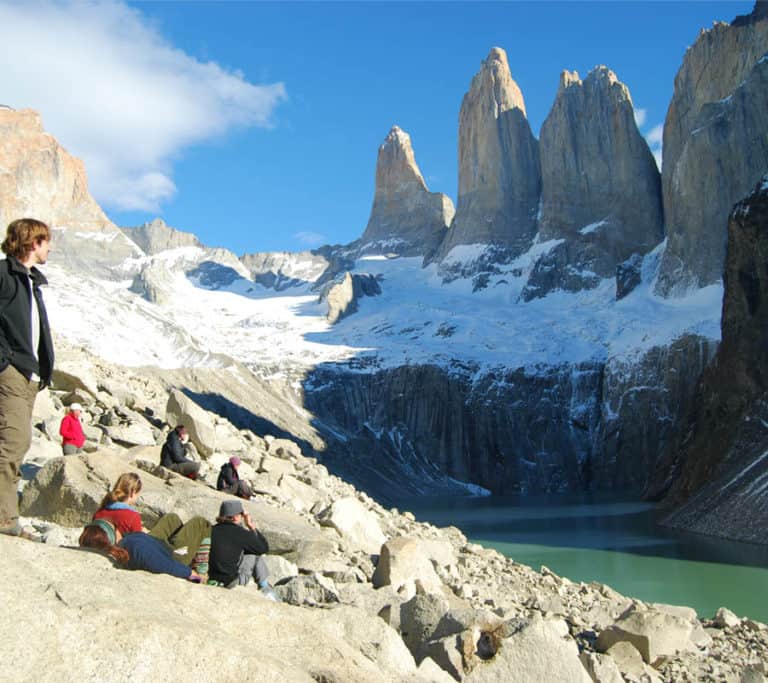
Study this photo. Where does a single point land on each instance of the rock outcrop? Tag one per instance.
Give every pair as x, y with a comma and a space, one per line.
156, 236
282, 270
715, 146
499, 170
342, 297
717, 466
40, 179
406, 218
601, 189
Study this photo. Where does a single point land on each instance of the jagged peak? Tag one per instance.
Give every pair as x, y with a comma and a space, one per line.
397, 136
397, 163
496, 77
568, 78
600, 77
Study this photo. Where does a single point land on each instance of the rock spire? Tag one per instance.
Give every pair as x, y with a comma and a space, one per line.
715, 146
600, 184
406, 217
499, 173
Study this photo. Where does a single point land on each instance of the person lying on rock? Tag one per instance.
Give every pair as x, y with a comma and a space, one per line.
174, 453
229, 480
236, 550
118, 505
170, 548
71, 431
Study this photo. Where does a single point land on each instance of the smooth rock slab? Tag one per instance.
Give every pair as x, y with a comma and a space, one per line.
403, 562
355, 523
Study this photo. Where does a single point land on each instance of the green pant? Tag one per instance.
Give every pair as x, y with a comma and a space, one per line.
177, 535
17, 399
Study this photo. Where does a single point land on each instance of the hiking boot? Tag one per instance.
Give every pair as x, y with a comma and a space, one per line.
16, 529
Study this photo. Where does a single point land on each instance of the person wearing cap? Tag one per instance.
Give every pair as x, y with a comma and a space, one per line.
229, 480
71, 430
236, 550
170, 548
26, 355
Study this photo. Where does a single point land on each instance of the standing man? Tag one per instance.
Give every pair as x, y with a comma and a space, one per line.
26, 354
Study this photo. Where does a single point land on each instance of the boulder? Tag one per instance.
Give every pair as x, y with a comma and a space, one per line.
541, 650
601, 668
402, 563
654, 633
630, 663
283, 448
199, 423
312, 590
724, 618
133, 434
355, 523
45, 408
419, 618
628, 276
297, 493
406, 218
278, 568
277, 466
83, 603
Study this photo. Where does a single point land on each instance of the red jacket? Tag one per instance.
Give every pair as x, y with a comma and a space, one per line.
72, 431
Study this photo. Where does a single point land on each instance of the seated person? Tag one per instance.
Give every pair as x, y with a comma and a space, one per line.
236, 550
174, 453
229, 480
154, 552
117, 506
71, 431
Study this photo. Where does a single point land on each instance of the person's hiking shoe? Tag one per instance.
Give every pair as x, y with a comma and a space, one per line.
19, 531
268, 592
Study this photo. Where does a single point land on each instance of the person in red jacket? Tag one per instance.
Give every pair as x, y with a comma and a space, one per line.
72, 437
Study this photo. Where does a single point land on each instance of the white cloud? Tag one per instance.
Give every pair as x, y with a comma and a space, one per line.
655, 138
118, 95
640, 117
310, 238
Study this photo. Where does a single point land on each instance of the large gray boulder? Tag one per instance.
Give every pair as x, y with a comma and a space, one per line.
655, 633
499, 172
406, 218
74, 603
715, 147
403, 563
182, 410
357, 525
601, 189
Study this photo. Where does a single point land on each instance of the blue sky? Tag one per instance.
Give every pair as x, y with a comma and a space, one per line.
256, 125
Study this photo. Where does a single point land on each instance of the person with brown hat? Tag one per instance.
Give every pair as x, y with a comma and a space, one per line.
236, 550
26, 355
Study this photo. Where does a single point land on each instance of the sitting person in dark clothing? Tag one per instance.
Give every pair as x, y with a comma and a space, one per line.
174, 453
170, 548
236, 550
229, 480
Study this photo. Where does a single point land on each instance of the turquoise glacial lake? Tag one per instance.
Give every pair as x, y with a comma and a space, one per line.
619, 543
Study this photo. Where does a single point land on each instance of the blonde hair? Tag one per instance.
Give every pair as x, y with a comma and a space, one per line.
126, 485
23, 235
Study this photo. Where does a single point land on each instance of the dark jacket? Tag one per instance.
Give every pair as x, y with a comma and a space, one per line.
173, 450
15, 321
152, 555
228, 542
228, 477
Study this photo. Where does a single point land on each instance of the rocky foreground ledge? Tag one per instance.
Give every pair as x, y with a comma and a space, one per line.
369, 594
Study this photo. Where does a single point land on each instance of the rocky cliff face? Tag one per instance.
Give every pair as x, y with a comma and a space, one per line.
39, 178
718, 464
569, 428
342, 297
406, 217
499, 172
157, 236
600, 185
715, 147
282, 270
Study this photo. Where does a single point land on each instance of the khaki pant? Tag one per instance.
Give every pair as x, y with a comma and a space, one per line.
17, 399
177, 535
